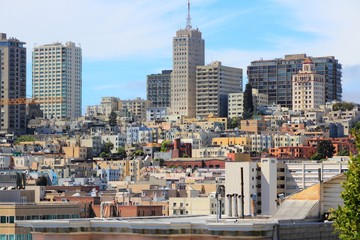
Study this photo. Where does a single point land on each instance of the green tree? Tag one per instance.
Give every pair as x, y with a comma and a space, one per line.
344, 152
165, 146
324, 149
357, 125
347, 218
121, 152
139, 153
343, 106
233, 122
113, 119
25, 138
106, 149
248, 102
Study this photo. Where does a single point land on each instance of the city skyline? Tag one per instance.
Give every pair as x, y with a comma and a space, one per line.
128, 40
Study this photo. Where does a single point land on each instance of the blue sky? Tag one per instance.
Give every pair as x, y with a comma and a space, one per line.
125, 40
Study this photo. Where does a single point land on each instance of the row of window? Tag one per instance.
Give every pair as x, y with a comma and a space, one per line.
16, 236
11, 219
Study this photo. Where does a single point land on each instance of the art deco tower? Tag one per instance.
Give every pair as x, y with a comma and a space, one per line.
188, 52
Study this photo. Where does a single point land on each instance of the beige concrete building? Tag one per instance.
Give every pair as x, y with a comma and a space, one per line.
18, 205
188, 52
214, 82
10, 213
137, 107
308, 88
57, 79
300, 176
107, 105
13, 85
259, 99
236, 102
193, 206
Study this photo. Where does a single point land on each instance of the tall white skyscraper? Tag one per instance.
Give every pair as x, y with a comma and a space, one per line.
57, 79
188, 52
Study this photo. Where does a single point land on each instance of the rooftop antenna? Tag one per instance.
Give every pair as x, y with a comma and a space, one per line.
188, 20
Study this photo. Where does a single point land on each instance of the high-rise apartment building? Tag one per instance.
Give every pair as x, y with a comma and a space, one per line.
188, 52
158, 88
274, 77
308, 88
57, 79
13, 85
214, 82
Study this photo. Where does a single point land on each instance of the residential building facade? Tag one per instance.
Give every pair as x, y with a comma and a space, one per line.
236, 102
158, 88
214, 82
13, 85
137, 107
274, 77
57, 79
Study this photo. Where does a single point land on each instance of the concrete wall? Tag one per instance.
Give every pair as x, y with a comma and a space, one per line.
268, 185
233, 186
320, 230
184, 230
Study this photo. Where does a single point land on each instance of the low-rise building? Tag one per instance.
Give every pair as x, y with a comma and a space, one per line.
193, 206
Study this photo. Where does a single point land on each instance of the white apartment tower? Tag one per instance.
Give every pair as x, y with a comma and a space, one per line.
308, 88
57, 79
214, 82
188, 52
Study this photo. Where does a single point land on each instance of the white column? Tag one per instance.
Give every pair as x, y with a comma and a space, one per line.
229, 205
234, 205
239, 206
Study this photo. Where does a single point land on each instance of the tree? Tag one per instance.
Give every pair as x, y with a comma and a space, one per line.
344, 152
343, 106
25, 138
357, 125
121, 152
138, 153
347, 218
324, 149
113, 119
106, 149
248, 102
165, 146
233, 122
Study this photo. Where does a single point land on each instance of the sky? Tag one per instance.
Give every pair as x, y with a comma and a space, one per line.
123, 41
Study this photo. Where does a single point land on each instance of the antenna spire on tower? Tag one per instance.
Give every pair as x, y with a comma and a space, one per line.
188, 20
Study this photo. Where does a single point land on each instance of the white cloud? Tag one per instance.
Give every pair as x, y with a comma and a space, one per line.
334, 24
114, 29
105, 29
332, 29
